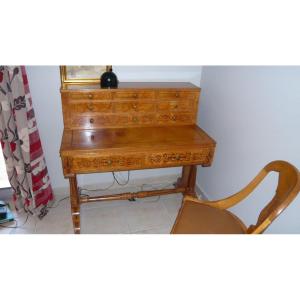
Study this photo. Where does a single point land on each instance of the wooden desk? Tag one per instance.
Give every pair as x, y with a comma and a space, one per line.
137, 126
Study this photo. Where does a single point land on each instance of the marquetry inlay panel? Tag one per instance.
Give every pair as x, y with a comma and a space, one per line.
107, 163
202, 156
138, 161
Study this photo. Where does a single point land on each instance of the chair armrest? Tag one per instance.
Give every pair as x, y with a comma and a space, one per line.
193, 199
234, 199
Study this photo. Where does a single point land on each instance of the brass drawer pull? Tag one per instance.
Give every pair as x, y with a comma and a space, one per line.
173, 118
109, 162
135, 95
90, 96
134, 106
92, 120
90, 106
177, 95
134, 119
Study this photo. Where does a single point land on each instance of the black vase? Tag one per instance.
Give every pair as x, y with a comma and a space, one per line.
109, 79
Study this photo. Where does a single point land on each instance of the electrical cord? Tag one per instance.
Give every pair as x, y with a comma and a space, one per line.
58, 202
46, 208
142, 188
119, 183
115, 179
16, 223
99, 190
16, 226
155, 188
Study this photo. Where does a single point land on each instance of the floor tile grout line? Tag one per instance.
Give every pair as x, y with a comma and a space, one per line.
168, 213
147, 229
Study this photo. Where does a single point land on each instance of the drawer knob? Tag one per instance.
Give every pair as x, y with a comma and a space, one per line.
134, 106
92, 121
177, 157
134, 119
173, 118
135, 95
177, 95
109, 162
90, 106
90, 96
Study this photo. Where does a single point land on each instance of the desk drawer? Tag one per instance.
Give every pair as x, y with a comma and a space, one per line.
82, 164
98, 120
133, 95
175, 118
141, 119
93, 121
178, 95
135, 106
176, 105
107, 163
103, 95
90, 106
202, 156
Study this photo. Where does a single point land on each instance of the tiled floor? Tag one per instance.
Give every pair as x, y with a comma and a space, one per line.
149, 215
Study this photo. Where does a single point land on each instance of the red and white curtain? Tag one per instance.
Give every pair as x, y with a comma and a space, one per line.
20, 141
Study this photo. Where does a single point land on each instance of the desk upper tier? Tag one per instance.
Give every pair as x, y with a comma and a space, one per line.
133, 104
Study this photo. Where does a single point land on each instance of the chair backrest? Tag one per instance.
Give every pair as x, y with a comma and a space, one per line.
287, 189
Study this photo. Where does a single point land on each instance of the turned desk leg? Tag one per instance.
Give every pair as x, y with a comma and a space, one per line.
188, 180
190, 189
75, 204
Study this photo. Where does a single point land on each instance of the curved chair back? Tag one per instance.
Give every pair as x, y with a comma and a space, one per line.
287, 189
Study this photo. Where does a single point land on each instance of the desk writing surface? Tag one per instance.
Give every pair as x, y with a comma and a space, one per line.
136, 138
134, 148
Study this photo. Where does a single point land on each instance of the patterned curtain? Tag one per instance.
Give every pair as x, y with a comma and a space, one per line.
20, 141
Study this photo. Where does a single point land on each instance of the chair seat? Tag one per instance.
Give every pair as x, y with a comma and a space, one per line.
201, 218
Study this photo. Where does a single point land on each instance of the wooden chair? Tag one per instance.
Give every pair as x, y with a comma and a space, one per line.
196, 216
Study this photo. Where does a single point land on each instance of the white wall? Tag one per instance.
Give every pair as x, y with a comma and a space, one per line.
254, 115
44, 82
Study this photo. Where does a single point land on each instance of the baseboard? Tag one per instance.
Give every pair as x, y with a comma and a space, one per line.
157, 182
201, 193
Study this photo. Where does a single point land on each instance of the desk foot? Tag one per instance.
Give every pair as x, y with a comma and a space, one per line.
77, 230
76, 221
75, 204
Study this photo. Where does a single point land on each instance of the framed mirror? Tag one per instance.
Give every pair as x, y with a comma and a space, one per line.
81, 74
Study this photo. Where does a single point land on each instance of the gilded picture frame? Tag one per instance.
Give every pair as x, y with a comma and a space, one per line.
81, 74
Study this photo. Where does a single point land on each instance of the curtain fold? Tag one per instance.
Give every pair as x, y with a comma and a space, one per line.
20, 141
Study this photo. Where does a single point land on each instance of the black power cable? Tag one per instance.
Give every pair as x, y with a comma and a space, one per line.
119, 183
